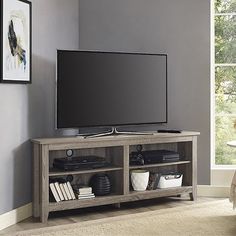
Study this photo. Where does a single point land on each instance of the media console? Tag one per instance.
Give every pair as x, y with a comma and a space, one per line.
117, 150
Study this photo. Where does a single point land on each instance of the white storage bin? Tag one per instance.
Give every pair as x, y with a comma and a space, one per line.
170, 180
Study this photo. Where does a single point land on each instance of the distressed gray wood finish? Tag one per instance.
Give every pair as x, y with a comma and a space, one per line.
116, 149
126, 170
193, 195
111, 199
36, 165
160, 164
44, 188
54, 172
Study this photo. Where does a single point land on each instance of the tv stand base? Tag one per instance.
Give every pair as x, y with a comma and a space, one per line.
114, 131
116, 150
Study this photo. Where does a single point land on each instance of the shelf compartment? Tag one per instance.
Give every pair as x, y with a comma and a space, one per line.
159, 165
56, 172
73, 204
111, 199
165, 192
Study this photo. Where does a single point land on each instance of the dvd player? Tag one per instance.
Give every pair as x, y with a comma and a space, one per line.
153, 156
80, 163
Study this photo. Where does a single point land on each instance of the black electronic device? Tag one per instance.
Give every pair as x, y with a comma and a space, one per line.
110, 89
153, 156
80, 163
175, 131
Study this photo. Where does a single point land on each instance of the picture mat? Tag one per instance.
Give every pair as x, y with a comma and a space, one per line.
10, 7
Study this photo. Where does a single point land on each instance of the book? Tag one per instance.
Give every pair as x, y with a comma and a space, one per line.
86, 196
84, 190
59, 191
67, 191
71, 190
63, 191
54, 192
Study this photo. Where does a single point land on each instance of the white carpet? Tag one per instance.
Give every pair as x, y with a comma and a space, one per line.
213, 218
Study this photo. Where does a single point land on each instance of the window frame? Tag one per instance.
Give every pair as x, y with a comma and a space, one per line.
215, 166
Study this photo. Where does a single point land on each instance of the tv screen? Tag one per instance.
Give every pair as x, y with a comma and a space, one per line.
110, 89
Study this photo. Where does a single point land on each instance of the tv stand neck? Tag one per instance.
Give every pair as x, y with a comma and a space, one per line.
114, 131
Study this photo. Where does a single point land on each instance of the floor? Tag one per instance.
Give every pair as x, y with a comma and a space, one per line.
73, 216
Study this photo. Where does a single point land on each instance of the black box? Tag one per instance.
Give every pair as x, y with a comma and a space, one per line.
153, 156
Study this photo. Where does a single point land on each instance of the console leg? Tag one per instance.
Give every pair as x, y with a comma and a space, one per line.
44, 216
192, 196
117, 205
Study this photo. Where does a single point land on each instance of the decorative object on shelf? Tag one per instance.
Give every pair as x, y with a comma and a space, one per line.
139, 179
136, 158
170, 180
101, 184
153, 181
15, 41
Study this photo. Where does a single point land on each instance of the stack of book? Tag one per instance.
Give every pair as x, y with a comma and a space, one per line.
84, 192
61, 190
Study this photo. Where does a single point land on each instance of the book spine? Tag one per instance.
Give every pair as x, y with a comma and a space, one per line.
88, 197
54, 192
85, 190
63, 191
71, 190
67, 191
59, 191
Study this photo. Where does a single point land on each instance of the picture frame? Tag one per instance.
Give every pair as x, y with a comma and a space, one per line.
16, 41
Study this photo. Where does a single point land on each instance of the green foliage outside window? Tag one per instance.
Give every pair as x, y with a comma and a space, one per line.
225, 81
225, 6
225, 39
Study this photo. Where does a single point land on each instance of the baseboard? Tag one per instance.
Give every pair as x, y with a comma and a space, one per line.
213, 191
15, 216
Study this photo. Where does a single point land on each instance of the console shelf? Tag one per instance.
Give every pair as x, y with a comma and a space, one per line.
56, 172
115, 149
112, 198
159, 165
74, 204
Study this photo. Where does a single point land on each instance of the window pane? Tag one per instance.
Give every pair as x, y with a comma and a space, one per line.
225, 39
225, 6
225, 131
225, 89
225, 104
225, 79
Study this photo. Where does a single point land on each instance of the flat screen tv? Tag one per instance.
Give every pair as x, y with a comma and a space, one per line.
100, 89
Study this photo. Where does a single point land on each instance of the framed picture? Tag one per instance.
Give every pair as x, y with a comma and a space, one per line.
15, 41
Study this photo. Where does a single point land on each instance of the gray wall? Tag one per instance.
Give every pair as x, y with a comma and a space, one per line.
27, 111
180, 28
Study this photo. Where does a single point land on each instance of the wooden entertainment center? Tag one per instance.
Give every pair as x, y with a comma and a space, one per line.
116, 149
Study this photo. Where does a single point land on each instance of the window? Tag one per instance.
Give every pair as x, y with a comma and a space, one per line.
225, 80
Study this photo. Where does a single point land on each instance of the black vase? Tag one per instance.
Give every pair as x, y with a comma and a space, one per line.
100, 184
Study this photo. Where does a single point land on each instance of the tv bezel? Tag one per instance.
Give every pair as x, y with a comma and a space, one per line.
111, 125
